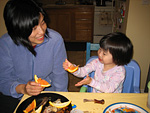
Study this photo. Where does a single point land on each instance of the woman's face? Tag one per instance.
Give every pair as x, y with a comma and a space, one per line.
38, 31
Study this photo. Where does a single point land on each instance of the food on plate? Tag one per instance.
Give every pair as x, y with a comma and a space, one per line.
43, 83
122, 110
57, 107
36, 111
53, 107
39, 109
59, 104
30, 106
50, 109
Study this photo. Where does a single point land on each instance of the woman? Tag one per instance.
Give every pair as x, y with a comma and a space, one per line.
27, 49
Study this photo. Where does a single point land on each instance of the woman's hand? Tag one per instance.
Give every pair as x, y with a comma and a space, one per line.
66, 64
87, 80
31, 88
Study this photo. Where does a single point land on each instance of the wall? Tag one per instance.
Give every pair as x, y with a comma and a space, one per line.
138, 29
2, 25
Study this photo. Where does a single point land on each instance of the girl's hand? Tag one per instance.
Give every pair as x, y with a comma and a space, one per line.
85, 81
66, 64
33, 88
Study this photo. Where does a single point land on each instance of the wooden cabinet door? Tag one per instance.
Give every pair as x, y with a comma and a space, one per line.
84, 24
75, 24
60, 20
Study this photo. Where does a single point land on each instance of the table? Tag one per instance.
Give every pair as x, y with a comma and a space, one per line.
139, 99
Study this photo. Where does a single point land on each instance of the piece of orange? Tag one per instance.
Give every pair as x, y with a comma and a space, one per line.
60, 105
39, 109
43, 82
72, 68
30, 106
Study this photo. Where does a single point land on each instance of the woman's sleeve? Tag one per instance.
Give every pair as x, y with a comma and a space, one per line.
8, 80
60, 76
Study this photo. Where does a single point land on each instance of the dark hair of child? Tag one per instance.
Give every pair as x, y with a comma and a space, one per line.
119, 45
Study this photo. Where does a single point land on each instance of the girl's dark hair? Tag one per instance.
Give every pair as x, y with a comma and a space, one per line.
119, 45
20, 17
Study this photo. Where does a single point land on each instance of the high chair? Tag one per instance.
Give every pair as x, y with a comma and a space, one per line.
91, 47
132, 79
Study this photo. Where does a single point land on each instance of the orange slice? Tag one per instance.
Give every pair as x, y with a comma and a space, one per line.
43, 83
60, 105
39, 109
30, 106
72, 68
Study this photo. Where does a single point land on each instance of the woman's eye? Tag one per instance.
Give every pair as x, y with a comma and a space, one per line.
34, 28
43, 22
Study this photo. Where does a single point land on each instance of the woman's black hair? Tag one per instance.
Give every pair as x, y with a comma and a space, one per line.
119, 45
20, 17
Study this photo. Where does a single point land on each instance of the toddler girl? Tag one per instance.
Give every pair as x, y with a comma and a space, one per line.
116, 50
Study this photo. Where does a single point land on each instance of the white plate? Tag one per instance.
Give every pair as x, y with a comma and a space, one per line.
76, 111
123, 106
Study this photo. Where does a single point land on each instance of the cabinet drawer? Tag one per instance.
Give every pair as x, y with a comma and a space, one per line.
83, 15
84, 24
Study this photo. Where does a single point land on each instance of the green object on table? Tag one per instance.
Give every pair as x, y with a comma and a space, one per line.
148, 85
83, 89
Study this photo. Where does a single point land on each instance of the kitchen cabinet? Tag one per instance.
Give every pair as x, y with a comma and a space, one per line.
73, 22
84, 24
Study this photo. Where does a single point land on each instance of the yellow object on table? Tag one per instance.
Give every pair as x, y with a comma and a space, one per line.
139, 99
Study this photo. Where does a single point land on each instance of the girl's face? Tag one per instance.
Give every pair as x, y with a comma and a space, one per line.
105, 57
38, 31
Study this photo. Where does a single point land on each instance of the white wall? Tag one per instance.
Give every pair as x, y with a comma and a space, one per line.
138, 30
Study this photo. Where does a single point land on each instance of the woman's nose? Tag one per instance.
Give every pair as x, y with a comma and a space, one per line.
40, 30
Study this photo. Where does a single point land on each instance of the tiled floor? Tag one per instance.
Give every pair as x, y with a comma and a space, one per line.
78, 58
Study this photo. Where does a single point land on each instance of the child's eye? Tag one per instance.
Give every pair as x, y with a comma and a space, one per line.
100, 50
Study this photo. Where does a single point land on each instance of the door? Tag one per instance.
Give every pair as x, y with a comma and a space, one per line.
61, 22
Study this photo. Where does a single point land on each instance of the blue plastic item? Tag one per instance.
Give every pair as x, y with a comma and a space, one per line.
132, 80
91, 47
